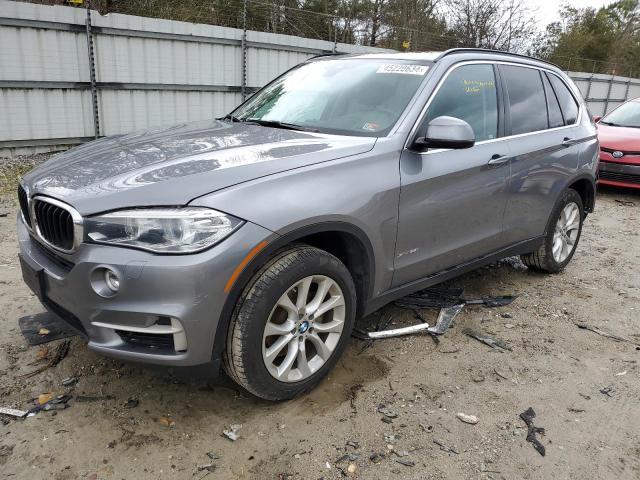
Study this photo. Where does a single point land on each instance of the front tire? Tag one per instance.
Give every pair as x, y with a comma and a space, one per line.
561, 239
291, 323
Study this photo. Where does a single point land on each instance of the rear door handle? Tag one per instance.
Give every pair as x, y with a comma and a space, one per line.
568, 142
498, 159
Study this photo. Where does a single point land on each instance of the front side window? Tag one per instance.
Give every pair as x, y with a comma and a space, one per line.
567, 102
353, 96
526, 100
626, 115
469, 93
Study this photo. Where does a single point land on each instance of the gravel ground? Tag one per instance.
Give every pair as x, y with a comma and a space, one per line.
175, 429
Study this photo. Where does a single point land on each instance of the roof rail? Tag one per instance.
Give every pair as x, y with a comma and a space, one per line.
490, 51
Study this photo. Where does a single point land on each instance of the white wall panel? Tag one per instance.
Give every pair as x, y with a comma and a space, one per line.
139, 60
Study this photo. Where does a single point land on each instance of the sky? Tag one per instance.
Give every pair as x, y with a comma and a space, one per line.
547, 11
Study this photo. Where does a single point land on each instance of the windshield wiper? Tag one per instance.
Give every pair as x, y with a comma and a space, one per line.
610, 123
233, 118
277, 124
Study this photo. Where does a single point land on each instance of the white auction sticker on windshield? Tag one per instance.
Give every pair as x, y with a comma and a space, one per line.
404, 68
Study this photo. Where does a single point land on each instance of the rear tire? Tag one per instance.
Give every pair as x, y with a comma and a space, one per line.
563, 233
275, 313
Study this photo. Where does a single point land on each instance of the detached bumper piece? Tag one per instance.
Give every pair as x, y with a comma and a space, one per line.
166, 335
449, 301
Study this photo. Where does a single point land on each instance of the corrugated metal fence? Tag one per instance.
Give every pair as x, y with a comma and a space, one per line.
149, 72
603, 92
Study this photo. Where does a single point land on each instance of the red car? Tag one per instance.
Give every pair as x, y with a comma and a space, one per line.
619, 136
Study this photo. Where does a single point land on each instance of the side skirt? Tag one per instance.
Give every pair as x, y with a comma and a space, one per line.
520, 248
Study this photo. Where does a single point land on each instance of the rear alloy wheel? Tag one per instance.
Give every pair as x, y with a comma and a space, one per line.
563, 234
291, 323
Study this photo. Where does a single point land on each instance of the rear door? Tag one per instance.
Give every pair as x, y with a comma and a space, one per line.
542, 140
452, 201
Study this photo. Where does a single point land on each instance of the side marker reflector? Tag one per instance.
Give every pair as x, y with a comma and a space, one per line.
242, 264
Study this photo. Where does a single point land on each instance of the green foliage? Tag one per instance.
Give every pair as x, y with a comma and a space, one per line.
606, 40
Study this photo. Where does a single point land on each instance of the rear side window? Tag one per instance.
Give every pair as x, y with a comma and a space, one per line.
526, 99
553, 107
469, 93
567, 102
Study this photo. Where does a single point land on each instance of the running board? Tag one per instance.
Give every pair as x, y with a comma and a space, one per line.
445, 318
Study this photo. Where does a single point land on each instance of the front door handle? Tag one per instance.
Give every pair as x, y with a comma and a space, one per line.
567, 142
498, 159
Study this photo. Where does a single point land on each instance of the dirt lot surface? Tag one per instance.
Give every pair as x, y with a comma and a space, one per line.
336, 430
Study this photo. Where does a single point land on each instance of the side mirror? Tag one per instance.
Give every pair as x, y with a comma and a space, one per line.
596, 118
446, 132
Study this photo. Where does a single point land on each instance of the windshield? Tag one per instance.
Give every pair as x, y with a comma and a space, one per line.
627, 115
344, 96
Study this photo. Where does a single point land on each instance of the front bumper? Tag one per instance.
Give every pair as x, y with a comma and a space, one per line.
155, 291
618, 174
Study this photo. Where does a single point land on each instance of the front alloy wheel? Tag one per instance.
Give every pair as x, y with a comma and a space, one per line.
303, 329
291, 323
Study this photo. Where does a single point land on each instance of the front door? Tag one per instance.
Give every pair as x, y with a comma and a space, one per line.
452, 201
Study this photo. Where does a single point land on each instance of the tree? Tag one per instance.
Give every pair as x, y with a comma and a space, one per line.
605, 40
495, 24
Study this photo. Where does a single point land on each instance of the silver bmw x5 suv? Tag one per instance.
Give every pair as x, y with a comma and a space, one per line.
253, 241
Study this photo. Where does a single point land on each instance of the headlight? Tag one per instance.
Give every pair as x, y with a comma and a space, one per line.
162, 230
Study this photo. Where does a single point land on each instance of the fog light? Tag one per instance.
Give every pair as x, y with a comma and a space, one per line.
105, 281
112, 280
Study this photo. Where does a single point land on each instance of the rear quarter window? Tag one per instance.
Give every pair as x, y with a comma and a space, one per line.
568, 103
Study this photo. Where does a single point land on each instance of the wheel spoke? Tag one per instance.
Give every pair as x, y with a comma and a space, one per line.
323, 351
573, 226
321, 293
292, 352
571, 217
278, 328
303, 292
334, 326
557, 245
273, 351
303, 364
285, 302
333, 302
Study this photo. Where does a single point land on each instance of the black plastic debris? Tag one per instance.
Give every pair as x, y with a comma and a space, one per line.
93, 398
606, 391
528, 416
69, 381
492, 302
132, 403
432, 298
56, 403
444, 447
32, 325
615, 338
494, 343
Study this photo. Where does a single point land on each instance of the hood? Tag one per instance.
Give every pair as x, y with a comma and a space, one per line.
171, 166
625, 139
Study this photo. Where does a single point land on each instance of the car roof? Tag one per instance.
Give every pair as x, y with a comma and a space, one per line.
437, 55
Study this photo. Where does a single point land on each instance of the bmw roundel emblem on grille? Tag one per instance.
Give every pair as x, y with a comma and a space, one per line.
617, 154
